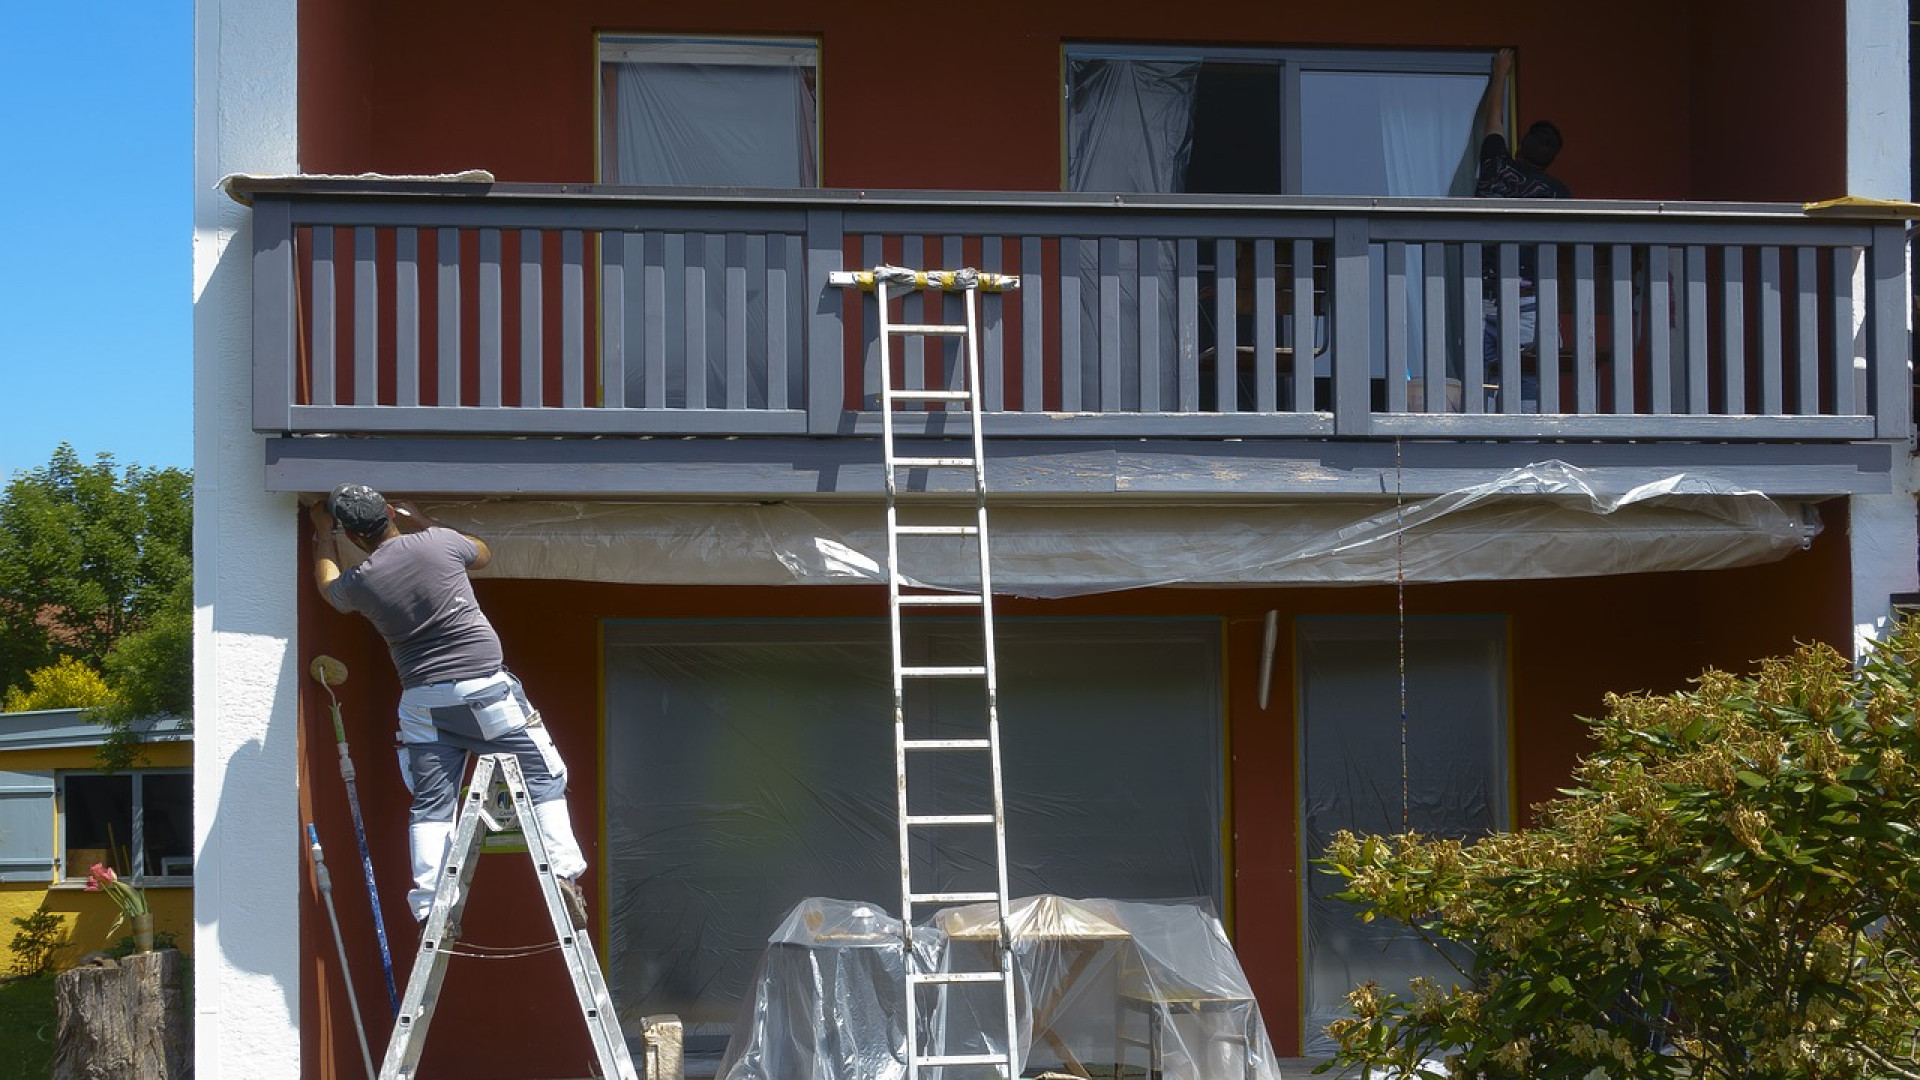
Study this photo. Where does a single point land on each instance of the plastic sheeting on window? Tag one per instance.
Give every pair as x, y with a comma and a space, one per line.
1101, 987
1129, 123
749, 764
1548, 520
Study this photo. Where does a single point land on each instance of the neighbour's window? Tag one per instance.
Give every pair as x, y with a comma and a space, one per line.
708, 112
1249, 121
140, 823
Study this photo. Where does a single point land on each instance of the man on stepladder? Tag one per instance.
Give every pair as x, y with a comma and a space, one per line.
457, 697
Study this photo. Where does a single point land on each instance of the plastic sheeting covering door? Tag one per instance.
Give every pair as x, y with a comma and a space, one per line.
1454, 782
749, 764
1103, 987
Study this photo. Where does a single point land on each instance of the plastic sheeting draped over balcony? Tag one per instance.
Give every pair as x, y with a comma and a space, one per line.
1548, 520
1101, 986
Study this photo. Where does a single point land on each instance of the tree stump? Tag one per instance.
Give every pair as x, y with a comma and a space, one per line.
123, 1020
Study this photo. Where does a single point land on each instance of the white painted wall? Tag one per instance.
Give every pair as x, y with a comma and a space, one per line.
247, 877
1885, 542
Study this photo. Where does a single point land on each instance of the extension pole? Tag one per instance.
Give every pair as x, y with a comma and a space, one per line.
328, 671
324, 881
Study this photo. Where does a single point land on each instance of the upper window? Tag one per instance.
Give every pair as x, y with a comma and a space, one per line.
140, 823
1313, 122
708, 112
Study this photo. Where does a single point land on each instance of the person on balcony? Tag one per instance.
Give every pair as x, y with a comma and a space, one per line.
457, 697
1513, 174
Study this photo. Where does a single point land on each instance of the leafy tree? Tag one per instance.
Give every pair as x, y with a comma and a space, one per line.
96, 565
1731, 890
65, 684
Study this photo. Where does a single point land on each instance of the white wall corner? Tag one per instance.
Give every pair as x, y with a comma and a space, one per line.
1878, 100
248, 874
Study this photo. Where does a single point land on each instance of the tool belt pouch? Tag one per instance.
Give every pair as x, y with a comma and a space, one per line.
487, 713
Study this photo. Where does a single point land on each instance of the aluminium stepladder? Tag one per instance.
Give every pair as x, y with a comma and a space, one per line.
916, 537
442, 928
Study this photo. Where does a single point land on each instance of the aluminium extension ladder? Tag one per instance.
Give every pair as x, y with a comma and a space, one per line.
442, 929
918, 538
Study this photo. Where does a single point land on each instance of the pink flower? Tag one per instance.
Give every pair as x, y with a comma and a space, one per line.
103, 872
93, 884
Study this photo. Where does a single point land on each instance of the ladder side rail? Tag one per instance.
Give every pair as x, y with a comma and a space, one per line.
409, 1037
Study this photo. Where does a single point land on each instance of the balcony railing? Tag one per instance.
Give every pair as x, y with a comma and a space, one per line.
423, 308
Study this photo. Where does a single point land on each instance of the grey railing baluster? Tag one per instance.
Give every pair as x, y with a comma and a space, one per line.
1352, 349
782, 252
823, 307
1226, 353
1396, 300
740, 258
614, 316
1772, 396
573, 316
406, 317
1187, 348
532, 318
489, 314
366, 317
1889, 342
1696, 355
911, 352
323, 317
1266, 356
1107, 325
693, 310
1033, 325
1071, 319
1846, 395
1433, 364
1733, 327
952, 310
276, 331
1473, 378
1806, 283
1546, 341
656, 284
872, 254
1508, 372
1150, 290
447, 315
993, 331
1621, 269
1660, 330
1586, 380
1305, 334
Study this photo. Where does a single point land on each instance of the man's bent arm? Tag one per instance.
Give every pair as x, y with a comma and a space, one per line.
326, 550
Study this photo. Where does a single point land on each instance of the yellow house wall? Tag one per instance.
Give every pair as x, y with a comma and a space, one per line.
88, 915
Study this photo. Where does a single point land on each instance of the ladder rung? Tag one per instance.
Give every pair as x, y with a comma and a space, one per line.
947, 744
930, 329
936, 530
952, 897
943, 672
933, 463
962, 600
963, 1059
938, 978
928, 395
935, 820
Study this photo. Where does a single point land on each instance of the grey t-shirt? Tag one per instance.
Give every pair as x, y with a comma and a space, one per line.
415, 591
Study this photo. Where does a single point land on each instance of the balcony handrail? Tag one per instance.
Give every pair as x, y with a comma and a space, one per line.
434, 307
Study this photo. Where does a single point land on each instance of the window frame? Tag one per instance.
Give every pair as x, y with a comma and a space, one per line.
609, 45
138, 874
1293, 62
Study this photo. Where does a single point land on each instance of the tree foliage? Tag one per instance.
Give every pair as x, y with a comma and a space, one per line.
1732, 889
96, 565
64, 684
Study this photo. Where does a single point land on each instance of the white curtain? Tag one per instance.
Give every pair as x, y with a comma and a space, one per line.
720, 125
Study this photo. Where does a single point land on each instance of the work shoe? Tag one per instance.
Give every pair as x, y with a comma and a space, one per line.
575, 900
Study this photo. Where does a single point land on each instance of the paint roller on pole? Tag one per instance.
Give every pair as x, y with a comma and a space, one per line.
329, 673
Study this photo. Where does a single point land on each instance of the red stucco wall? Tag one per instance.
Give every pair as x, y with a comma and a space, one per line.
1702, 99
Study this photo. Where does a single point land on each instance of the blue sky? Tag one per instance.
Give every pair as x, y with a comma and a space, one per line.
96, 233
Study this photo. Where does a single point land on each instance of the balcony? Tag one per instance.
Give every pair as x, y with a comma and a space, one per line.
435, 311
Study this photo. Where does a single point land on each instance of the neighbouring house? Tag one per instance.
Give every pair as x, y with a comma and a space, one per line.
1283, 550
60, 814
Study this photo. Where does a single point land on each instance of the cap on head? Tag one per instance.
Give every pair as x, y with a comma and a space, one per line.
359, 509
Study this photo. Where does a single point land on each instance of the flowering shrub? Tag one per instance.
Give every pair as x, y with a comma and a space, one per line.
131, 900
1730, 890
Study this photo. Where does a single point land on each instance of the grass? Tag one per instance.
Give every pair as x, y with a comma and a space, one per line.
26, 1028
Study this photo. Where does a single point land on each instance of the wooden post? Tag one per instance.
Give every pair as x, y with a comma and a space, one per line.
123, 1020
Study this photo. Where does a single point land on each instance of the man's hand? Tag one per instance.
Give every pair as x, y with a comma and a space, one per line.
321, 516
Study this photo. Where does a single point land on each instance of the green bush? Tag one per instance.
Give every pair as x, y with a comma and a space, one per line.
1731, 890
